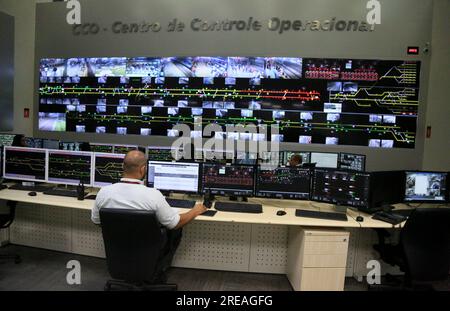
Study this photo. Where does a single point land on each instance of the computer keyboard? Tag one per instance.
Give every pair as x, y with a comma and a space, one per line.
62, 193
180, 203
29, 188
209, 213
389, 217
321, 215
403, 212
238, 207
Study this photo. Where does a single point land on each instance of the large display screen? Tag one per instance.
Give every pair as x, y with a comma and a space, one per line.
313, 101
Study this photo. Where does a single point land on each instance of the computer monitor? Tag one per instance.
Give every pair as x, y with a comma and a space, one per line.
164, 154
108, 168
124, 149
26, 164
287, 155
283, 183
50, 144
6, 139
69, 167
102, 148
270, 157
341, 187
386, 188
174, 176
246, 158
69, 146
426, 187
354, 162
34, 142
218, 156
222, 179
325, 159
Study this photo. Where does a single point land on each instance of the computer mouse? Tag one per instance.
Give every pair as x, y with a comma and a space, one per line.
360, 219
281, 213
32, 194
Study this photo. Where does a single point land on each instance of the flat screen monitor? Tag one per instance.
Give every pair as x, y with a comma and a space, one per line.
426, 187
102, 148
354, 162
26, 164
341, 187
246, 158
6, 139
124, 149
50, 144
69, 146
174, 176
34, 142
108, 168
70, 167
287, 155
325, 159
222, 179
164, 154
386, 188
283, 183
218, 156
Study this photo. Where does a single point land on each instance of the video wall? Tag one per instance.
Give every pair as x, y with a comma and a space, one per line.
370, 103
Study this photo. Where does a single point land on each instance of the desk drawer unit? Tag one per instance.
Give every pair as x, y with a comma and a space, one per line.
317, 259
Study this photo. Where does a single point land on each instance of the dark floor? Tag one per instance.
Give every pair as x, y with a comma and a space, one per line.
43, 270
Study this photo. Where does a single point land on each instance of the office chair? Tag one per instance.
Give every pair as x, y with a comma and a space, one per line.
5, 221
133, 241
423, 252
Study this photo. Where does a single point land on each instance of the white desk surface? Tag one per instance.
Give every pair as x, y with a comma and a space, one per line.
269, 215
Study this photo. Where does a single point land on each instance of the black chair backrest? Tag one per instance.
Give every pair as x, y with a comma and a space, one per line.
133, 240
425, 239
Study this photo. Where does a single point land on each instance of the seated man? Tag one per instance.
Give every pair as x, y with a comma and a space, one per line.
131, 193
295, 160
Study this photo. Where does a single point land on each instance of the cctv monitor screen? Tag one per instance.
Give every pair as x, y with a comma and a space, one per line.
283, 183
341, 187
221, 179
174, 176
108, 168
6, 139
325, 159
425, 187
26, 164
69, 167
124, 149
50, 144
287, 156
354, 162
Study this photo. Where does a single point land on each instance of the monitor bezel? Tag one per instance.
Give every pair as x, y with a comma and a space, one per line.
95, 184
337, 159
91, 154
354, 154
176, 163
286, 195
446, 191
25, 179
228, 192
367, 175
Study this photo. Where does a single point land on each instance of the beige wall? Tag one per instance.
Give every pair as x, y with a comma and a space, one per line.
24, 13
437, 148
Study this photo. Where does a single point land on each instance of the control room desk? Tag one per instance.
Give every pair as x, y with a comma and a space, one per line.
315, 254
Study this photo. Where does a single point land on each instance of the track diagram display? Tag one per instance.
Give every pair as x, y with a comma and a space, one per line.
313, 101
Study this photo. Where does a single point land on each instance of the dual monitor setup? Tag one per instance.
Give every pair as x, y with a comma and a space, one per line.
361, 190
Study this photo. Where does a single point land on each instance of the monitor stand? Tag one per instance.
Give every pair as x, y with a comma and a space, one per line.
340, 208
29, 186
238, 198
